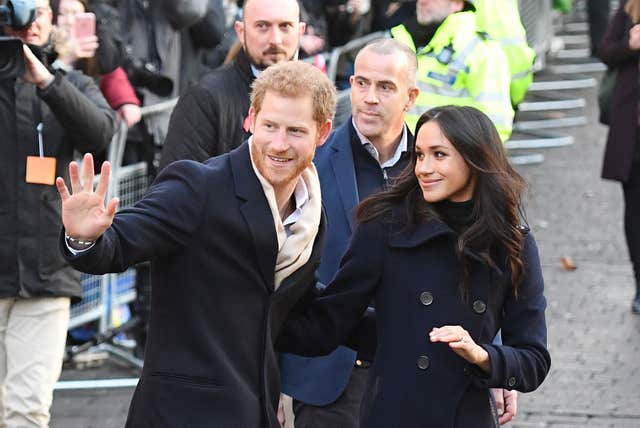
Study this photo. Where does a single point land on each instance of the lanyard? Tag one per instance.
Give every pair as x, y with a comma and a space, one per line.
40, 144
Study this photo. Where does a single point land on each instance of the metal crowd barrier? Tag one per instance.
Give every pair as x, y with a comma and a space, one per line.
352, 47
101, 293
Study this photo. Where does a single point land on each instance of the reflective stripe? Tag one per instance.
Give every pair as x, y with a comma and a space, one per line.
418, 110
511, 41
521, 75
445, 91
493, 97
500, 120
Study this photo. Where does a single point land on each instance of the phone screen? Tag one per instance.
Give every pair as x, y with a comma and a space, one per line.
84, 25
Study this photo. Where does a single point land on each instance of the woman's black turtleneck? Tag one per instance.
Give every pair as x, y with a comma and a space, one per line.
457, 215
421, 34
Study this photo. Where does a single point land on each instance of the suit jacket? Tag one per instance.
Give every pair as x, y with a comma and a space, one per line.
320, 381
413, 273
209, 233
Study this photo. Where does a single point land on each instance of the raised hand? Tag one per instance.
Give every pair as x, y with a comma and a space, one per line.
461, 343
84, 214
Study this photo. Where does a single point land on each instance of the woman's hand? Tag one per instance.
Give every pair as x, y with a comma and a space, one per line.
461, 343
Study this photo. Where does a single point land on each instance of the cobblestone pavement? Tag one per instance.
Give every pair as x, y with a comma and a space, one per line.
593, 337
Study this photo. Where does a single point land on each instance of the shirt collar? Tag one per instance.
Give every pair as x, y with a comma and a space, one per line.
369, 147
255, 70
301, 195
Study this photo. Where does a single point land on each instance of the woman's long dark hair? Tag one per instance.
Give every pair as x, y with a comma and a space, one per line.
497, 207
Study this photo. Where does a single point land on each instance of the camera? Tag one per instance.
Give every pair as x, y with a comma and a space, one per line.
144, 74
18, 14
11, 58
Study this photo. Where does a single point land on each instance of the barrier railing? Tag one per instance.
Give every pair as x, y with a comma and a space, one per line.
104, 293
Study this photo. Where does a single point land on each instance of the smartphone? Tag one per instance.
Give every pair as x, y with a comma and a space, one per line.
84, 25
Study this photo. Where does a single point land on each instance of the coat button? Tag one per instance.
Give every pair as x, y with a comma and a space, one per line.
466, 369
511, 382
423, 362
426, 298
479, 306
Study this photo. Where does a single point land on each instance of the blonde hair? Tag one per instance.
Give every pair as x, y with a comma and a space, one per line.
293, 79
633, 10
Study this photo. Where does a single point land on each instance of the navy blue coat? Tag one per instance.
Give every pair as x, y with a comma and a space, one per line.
209, 233
413, 273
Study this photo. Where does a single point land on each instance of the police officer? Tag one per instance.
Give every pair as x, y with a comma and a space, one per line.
457, 64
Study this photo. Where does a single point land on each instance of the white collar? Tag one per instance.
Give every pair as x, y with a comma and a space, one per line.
368, 145
301, 195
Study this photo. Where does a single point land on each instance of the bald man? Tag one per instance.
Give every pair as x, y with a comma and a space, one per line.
211, 117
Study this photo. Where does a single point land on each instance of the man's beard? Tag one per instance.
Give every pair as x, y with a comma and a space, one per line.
260, 65
258, 156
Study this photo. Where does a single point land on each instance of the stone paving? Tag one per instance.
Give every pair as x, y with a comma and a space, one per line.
593, 337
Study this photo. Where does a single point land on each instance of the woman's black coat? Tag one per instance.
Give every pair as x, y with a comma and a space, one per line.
623, 117
412, 273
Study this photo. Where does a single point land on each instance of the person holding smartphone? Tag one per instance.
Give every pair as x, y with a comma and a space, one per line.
83, 43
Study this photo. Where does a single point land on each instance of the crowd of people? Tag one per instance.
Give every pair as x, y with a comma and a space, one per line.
366, 270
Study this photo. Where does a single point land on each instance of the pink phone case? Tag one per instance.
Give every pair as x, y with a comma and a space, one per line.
85, 25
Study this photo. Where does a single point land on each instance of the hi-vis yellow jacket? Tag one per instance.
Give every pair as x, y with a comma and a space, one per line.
501, 20
460, 67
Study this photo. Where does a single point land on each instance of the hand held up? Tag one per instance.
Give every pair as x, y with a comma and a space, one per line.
84, 214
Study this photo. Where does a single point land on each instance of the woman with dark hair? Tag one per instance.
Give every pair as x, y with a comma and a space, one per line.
620, 50
448, 263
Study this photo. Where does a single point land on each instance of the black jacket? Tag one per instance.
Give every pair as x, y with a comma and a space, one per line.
75, 116
209, 233
209, 119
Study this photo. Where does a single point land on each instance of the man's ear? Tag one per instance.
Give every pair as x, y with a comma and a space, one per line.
252, 119
413, 95
323, 132
302, 27
239, 27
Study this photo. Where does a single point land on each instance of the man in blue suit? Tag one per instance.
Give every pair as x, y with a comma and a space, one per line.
360, 158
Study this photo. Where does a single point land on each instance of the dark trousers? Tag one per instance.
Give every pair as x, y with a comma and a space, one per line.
598, 11
342, 413
632, 217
